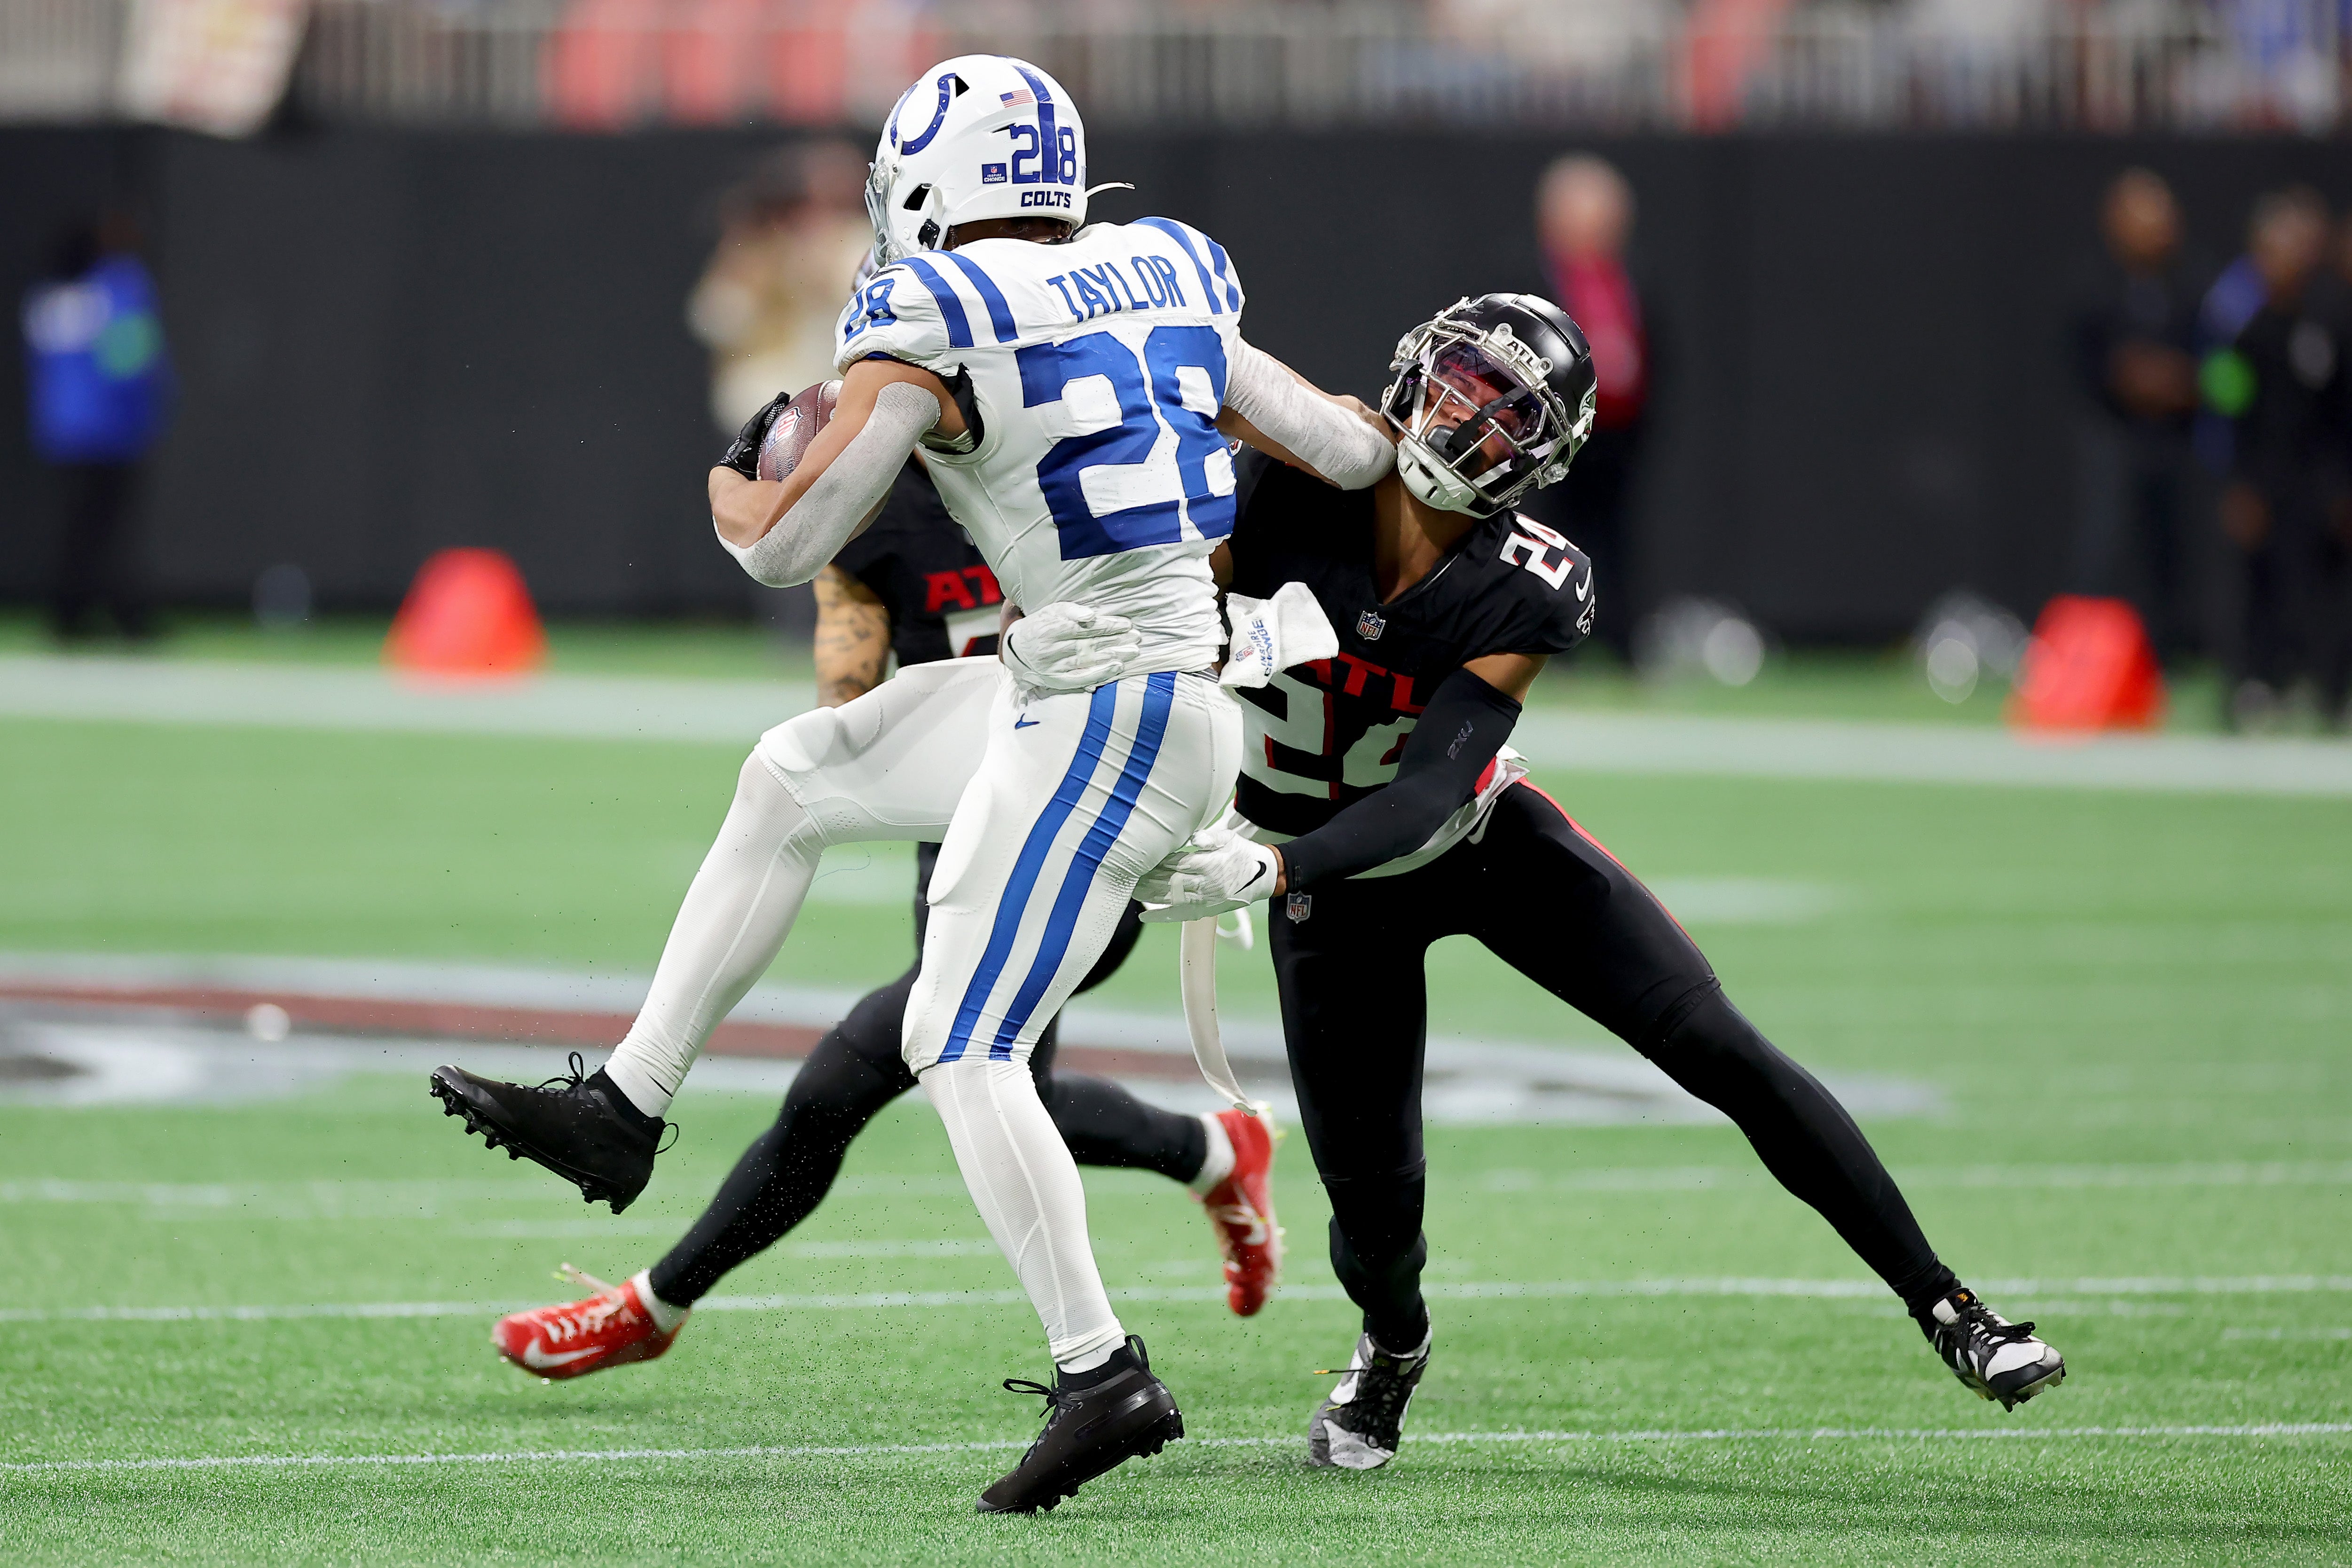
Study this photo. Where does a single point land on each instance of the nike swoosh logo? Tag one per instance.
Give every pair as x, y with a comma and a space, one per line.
1026, 722
1239, 1214
1584, 589
538, 1359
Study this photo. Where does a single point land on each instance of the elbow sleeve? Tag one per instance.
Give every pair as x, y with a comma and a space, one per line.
1337, 445
1458, 733
814, 528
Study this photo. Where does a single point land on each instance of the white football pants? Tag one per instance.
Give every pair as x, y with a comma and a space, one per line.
1076, 796
1049, 814
890, 765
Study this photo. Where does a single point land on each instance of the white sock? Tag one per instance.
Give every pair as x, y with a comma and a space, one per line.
1027, 1185
735, 918
1220, 1161
665, 1317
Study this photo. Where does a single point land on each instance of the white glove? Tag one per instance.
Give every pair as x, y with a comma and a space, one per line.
1269, 635
1069, 647
1217, 872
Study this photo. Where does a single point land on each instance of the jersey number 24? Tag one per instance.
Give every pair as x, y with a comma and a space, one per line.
1153, 457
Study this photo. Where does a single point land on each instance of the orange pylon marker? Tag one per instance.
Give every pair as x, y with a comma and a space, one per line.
2089, 667
467, 614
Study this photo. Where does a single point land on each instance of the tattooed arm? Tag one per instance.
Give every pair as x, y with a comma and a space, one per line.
853, 637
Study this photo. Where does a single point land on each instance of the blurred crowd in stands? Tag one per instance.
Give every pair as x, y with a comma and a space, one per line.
1703, 64
2223, 416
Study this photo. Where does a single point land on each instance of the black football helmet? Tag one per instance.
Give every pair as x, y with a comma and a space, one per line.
1492, 398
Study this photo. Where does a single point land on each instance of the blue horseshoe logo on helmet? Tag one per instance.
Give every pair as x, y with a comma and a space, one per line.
938, 117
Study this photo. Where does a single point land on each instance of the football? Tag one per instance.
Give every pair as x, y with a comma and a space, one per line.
795, 427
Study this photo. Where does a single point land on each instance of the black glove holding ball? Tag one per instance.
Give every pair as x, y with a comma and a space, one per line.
770, 445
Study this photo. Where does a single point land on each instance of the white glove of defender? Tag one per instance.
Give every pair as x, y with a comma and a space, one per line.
1069, 647
1269, 635
1217, 872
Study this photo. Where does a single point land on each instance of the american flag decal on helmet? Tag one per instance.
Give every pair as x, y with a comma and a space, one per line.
1018, 99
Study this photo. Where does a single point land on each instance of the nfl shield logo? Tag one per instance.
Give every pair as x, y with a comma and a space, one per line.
1370, 625
991, 174
1299, 905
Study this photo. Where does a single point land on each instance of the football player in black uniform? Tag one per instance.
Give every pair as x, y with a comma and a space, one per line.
913, 586
1379, 805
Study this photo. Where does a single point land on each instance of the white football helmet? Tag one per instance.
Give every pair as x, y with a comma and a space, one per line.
979, 136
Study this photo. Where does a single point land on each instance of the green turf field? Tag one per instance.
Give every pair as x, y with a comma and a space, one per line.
2136, 1008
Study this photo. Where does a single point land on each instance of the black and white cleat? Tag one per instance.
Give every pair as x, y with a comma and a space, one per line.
1360, 1425
1998, 1359
1125, 1412
581, 1128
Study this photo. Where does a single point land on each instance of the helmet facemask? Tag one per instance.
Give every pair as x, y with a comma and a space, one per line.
888, 247
1480, 423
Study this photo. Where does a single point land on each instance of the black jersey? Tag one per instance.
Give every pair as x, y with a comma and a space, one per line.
1325, 734
942, 600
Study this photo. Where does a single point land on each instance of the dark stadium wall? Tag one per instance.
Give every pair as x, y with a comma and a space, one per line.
391, 341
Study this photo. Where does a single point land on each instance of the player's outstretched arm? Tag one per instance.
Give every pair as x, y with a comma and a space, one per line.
784, 531
1469, 717
1284, 414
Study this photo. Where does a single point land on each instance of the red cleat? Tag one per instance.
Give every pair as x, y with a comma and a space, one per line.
610, 1328
1242, 1208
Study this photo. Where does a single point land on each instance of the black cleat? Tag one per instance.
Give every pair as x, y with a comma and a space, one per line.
582, 1129
1360, 1424
1121, 1413
1998, 1359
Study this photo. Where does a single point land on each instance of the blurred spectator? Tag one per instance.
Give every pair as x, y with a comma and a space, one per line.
1584, 217
2135, 338
2279, 382
791, 239
101, 391
2332, 618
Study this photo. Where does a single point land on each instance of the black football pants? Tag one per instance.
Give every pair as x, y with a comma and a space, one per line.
1557, 907
854, 1071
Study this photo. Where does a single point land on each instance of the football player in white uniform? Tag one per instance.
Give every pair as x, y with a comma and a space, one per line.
1074, 388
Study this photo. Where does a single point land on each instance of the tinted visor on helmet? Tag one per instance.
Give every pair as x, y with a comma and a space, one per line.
1484, 418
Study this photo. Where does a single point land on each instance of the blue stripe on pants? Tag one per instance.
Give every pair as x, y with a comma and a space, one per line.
1014, 901
1158, 695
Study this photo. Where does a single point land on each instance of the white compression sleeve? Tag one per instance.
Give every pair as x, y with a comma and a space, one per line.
733, 922
1318, 432
818, 524
1027, 1185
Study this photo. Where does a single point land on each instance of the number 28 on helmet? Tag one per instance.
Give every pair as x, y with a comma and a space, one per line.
1491, 397
976, 137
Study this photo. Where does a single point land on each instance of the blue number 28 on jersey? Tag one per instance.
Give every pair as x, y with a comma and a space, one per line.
1149, 456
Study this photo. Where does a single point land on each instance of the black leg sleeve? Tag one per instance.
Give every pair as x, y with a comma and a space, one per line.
1105, 1125
1354, 1010
853, 1072
1802, 1134
1378, 1252
1560, 910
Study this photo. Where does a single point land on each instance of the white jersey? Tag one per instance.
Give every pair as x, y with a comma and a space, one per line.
1096, 369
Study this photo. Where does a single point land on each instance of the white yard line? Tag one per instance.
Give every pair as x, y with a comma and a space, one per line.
320, 697
1470, 1290
427, 1198
1529, 1440
736, 712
